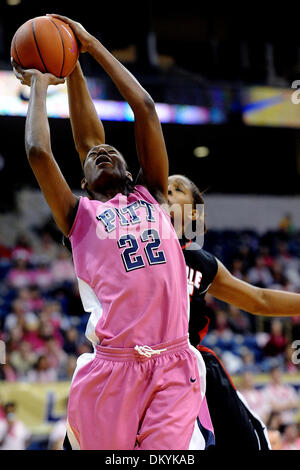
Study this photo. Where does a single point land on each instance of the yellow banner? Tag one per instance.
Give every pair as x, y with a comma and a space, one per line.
39, 406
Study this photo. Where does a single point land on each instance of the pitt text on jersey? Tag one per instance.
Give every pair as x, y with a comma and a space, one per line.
135, 226
110, 215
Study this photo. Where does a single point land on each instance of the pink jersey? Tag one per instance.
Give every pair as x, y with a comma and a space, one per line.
131, 271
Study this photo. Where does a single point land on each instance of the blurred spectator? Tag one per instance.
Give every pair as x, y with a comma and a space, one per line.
264, 252
45, 249
282, 398
248, 362
38, 337
7, 372
71, 341
221, 324
42, 275
42, 371
231, 361
5, 252
14, 338
237, 268
20, 275
20, 316
32, 298
52, 312
67, 370
260, 275
291, 437
246, 255
14, 435
277, 342
55, 354
284, 257
22, 247
274, 421
254, 397
62, 268
290, 265
280, 281
23, 360
237, 321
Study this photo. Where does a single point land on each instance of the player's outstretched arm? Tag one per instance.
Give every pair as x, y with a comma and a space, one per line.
87, 128
59, 197
150, 142
253, 299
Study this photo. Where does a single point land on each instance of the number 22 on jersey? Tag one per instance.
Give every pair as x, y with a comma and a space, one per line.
131, 260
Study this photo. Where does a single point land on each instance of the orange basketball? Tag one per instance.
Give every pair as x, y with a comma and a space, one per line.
46, 44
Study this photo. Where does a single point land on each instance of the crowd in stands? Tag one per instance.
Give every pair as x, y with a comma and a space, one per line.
42, 321
41, 315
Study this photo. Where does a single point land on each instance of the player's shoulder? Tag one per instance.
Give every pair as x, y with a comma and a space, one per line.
200, 252
199, 257
153, 196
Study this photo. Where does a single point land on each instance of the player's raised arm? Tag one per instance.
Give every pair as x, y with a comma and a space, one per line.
253, 299
150, 142
87, 128
57, 192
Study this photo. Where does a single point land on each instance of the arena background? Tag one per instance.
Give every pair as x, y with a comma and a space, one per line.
227, 97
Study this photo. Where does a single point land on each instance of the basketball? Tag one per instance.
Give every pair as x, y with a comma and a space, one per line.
46, 44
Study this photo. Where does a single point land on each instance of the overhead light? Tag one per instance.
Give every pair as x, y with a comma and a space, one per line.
201, 152
13, 2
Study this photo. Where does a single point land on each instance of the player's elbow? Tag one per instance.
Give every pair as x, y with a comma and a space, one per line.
145, 105
149, 103
35, 152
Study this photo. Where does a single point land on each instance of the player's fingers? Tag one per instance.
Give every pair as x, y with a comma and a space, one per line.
17, 74
60, 17
15, 65
53, 80
59, 81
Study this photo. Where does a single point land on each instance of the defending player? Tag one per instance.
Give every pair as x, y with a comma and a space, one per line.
143, 376
234, 424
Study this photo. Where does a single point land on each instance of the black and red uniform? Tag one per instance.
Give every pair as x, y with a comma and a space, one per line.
234, 424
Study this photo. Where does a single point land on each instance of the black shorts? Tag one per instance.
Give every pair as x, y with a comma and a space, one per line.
234, 424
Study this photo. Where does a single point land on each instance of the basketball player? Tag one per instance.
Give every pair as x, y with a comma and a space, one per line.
233, 422
144, 376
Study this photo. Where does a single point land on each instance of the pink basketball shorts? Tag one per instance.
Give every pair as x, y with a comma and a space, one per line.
136, 398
